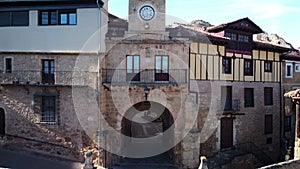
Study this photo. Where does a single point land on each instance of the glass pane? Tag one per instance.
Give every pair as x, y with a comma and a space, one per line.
4, 18
136, 64
52, 102
20, 18
233, 36
158, 64
54, 18
72, 19
288, 70
228, 35
52, 66
45, 18
63, 19
165, 65
241, 38
46, 66
129, 64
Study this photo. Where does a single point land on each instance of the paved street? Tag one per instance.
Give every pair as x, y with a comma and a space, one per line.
24, 160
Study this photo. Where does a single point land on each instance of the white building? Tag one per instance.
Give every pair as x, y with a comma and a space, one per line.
42, 46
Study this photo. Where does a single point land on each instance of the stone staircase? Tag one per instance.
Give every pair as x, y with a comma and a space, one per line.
156, 162
237, 158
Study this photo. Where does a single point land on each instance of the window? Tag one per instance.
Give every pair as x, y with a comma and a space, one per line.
232, 36
243, 38
48, 109
162, 68
268, 66
133, 68
268, 124
287, 123
48, 71
58, 17
226, 97
16, 18
297, 68
289, 70
268, 96
226, 65
248, 67
8, 65
249, 97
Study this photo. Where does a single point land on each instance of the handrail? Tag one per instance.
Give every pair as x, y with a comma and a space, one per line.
37, 77
145, 76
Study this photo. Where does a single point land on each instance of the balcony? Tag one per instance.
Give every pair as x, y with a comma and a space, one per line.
146, 76
55, 78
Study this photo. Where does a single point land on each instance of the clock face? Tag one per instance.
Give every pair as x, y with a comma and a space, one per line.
147, 13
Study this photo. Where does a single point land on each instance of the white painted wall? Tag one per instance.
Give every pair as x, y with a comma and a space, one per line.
83, 37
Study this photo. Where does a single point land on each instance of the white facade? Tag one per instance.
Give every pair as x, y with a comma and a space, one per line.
83, 37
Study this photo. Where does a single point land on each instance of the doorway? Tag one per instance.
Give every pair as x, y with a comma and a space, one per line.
2, 121
48, 71
149, 125
226, 133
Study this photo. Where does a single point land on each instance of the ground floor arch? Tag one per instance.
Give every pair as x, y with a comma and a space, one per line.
150, 127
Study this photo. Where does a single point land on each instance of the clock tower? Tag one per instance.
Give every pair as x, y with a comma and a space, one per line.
147, 16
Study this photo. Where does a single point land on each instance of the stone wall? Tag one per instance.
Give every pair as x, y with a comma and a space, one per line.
248, 128
118, 96
289, 109
65, 138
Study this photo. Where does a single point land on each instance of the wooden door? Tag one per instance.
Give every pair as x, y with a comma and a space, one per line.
226, 133
2, 122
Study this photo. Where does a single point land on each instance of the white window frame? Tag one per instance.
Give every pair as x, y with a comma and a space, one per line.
297, 66
286, 67
4, 64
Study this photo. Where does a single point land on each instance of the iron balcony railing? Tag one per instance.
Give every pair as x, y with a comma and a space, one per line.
146, 76
32, 77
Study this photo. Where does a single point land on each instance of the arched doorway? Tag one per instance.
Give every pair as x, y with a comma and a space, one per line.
150, 127
2, 121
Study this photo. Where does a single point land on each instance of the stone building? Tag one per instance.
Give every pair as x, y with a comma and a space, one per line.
146, 97
239, 80
48, 55
290, 81
164, 95
233, 83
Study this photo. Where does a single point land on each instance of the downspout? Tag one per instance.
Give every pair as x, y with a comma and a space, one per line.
99, 133
281, 108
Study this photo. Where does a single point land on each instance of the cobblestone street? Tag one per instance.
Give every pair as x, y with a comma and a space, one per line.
25, 160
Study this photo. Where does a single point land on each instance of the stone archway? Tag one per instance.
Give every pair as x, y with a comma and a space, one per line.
144, 121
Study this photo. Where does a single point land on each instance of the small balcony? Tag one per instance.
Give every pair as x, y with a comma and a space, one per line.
55, 78
146, 76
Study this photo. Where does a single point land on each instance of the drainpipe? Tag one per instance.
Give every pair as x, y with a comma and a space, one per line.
282, 111
281, 117
99, 133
